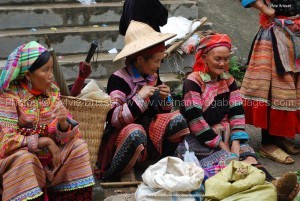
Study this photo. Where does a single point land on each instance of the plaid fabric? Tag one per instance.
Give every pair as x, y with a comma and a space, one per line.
158, 129
287, 45
269, 97
206, 44
211, 171
19, 61
133, 144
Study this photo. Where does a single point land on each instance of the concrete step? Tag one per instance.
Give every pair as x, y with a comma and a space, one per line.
58, 15
171, 79
19, 2
64, 40
103, 65
76, 14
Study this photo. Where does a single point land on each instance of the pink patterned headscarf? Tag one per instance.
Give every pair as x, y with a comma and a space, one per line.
19, 61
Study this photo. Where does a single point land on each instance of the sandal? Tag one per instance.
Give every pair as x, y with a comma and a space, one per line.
289, 146
278, 156
287, 187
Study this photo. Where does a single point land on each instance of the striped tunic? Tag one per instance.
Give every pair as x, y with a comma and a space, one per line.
135, 124
213, 110
23, 174
128, 107
271, 86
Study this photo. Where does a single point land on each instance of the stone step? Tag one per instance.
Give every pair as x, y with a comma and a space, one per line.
75, 14
171, 79
22, 2
65, 40
103, 65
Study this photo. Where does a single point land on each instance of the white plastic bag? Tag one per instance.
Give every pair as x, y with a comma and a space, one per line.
87, 2
189, 156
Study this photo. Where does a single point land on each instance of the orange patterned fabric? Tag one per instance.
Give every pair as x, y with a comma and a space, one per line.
23, 175
206, 44
270, 97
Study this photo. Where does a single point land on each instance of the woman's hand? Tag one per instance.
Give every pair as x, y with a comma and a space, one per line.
147, 91
164, 91
61, 114
46, 142
235, 147
270, 12
224, 146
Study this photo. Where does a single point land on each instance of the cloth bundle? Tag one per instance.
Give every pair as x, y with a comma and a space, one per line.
170, 177
239, 181
92, 91
87, 2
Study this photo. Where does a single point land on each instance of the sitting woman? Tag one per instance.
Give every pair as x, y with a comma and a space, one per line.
214, 111
40, 148
140, 124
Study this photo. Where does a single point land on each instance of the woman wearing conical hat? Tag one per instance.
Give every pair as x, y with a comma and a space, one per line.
140, 125
40, 146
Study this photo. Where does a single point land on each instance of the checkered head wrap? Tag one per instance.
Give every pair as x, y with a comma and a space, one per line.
19, 62
206, 44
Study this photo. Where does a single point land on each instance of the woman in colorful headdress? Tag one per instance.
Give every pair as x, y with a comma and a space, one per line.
214, 111
271, 86
40, 146
140, 125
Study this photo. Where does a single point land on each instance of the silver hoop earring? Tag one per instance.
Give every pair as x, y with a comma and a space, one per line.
29, 84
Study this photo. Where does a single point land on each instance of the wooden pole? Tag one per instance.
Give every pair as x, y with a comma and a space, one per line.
58, 75
119, 184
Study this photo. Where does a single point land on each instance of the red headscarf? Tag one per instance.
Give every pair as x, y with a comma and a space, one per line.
149, 51
206, 44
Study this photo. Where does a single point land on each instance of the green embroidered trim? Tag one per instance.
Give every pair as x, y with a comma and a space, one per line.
207, 78
284, 108
72, 189
254, 98
225, 76
34, 197
193, 106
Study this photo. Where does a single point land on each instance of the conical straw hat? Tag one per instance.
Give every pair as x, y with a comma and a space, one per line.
140, 36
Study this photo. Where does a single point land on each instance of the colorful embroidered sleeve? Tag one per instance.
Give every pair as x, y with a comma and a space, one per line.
236, 113
63, 137
194, 115
247, 3
166, 105
10, 140
123, 111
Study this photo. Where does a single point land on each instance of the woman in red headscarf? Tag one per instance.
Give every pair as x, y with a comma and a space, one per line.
140, 124
214, 111
213, 106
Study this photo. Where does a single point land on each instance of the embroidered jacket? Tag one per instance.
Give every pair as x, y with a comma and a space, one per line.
127, 105
22, 111
206, 104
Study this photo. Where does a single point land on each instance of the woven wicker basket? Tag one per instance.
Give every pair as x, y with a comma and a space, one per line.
91, 115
